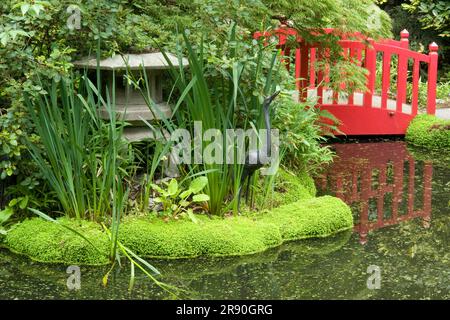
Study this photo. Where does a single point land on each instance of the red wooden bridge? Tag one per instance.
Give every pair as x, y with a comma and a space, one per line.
380, 180
373, 112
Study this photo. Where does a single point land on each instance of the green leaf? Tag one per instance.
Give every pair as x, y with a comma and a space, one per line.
105, 279
37, 8
172, 188
4, 39
5, 214
198, 184
157, 188
191, 216
13, 202
23, 203
158, 200
184, 203
200, 197
6, 148
185, 194
24, 8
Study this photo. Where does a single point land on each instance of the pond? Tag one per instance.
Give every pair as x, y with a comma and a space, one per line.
400, 200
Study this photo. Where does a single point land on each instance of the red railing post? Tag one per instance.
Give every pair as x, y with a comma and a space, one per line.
432, 78
312, 68
370, 64
404, 35
303, 64
402, 71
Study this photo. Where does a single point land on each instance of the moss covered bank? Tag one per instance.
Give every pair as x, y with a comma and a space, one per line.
299, 215
429, 132
151, 237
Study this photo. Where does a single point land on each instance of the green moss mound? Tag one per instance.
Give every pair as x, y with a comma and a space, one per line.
185, 239
429, 132
46, 241
317, 217
154, 238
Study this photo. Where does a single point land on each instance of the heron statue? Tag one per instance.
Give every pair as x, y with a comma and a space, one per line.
255, 158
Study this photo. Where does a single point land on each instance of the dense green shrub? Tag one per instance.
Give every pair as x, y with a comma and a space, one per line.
152, 237
301, 134
35, 40
429, 132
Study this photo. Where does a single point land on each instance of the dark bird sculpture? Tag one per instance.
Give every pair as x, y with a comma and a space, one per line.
255, 159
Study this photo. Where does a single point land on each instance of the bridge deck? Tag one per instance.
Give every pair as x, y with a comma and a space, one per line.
443, 113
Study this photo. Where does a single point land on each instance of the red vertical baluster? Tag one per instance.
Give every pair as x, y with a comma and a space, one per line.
320, 76
432, 78
415, 87
327, 67
312, 68
370, 65
304, 72
297, 72
287, 57
281, 41
402, 71
386, 78
353, 59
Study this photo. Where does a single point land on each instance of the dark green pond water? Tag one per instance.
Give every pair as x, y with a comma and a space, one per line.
400, 200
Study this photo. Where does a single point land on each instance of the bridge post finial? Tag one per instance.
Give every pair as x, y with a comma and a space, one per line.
433, 47
432, 77
404, 38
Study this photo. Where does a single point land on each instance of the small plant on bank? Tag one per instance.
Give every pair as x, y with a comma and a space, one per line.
175, 201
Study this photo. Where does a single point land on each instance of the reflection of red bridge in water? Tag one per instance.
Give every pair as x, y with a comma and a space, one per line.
351, 179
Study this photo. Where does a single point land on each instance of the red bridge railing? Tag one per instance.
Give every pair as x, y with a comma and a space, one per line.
368, 112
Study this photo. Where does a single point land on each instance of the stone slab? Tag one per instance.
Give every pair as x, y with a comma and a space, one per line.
150, 61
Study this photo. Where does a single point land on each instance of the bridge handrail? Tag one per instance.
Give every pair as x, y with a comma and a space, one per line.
364, 51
